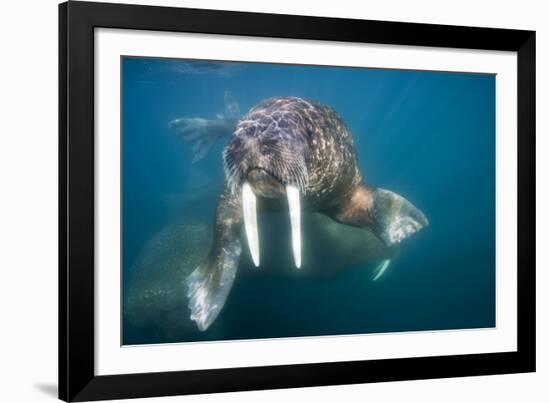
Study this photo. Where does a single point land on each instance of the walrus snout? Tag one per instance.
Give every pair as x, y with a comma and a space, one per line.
268, 160
264, 183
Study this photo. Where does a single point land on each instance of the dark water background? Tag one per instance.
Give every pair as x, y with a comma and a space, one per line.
429, 136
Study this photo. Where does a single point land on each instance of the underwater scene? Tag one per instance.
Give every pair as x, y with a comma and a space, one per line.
268, 200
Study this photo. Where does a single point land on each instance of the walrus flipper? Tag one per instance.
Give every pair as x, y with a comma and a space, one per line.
390, 216
204, 133
210, 283
395, 218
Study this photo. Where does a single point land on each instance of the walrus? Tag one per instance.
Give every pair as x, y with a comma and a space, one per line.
286, 154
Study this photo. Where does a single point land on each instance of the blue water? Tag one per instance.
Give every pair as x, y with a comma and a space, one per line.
429, 136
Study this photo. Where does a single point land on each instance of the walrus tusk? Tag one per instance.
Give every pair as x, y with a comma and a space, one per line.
381, 269
293, 196
251, 223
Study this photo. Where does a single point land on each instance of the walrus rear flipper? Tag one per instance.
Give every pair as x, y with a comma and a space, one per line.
209, 284
203, 133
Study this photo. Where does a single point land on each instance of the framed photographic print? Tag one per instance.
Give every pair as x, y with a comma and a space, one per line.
254, 201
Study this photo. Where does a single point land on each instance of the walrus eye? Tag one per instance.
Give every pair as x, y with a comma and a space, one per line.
251, 222
293, 196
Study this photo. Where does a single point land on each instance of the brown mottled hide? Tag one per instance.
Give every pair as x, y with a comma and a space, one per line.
355, 209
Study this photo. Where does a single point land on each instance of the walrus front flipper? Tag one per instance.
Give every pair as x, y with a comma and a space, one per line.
390, 216
209, 284
203, 133
395, 218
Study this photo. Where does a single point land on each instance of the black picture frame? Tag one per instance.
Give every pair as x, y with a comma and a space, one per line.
77, 379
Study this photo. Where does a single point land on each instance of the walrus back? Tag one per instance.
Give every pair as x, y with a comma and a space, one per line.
333, 165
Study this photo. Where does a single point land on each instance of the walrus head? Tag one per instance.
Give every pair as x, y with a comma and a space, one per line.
267, 161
